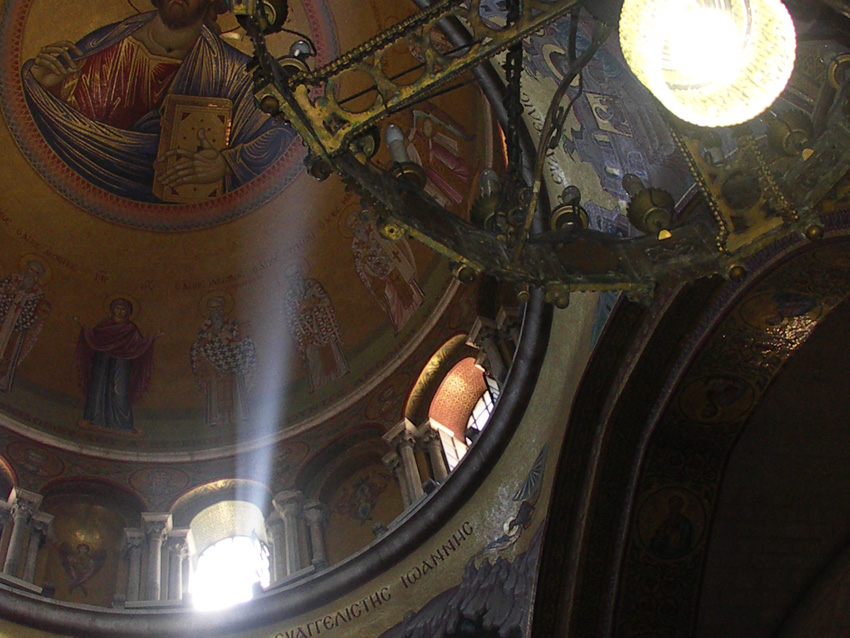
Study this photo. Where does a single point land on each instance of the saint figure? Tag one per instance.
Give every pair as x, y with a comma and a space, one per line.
99, 103
387, 269
22, 313
224, 360
440, 156
114, 362
312, 323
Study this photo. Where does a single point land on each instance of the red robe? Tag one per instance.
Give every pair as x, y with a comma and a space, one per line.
119, 341
120, 84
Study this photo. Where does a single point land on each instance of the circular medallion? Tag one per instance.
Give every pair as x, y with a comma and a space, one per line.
671, 523
35, 460
716, 399
775, 310
159, 482
137, 137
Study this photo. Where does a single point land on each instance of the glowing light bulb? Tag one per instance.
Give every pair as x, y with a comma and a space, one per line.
710, 62
703, 45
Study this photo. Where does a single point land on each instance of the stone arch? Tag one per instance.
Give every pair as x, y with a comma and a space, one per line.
8, 477
89, 522
660, 408
456, 397
432, 375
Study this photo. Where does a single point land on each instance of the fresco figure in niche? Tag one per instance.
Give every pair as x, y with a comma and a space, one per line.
387, 269
104, 102
114, 362
359, 500
81, 564
23, 310
312, 323
224, 360
438, 153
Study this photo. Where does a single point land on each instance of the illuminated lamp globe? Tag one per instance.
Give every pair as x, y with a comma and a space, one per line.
710, 62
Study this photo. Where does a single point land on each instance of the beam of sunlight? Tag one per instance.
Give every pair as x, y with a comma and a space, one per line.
227, 571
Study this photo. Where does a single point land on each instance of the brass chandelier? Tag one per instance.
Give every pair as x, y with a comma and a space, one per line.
756, 191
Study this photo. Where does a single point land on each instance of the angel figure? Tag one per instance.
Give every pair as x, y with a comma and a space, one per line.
359, 500
81, 564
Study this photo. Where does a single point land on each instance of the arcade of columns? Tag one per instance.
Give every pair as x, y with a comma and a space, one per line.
158, 554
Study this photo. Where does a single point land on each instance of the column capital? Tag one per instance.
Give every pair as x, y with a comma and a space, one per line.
274, 520
288, 502
393, 462
19, 495
133, 537
316, 513
41, 522
507, 317
402, 433
428, 432
156, 524
481, 328
24, 502
178, 540
23, 509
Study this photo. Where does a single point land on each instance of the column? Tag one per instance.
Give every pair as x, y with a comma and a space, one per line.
393, 463
411, 470
6, 521
316, 516
402, 439
177, 551
38, 535
184, 569
274, 529
24, 505
483, 336
508, 321
134, 539
288, 506
156, 527
434, 444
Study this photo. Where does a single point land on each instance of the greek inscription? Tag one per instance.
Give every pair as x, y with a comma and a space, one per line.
436, 558
28, 237
332, 621
188, 286
61, 260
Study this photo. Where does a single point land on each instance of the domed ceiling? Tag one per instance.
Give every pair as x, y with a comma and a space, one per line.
172, 283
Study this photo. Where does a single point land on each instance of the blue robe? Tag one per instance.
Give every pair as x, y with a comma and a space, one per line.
121, 161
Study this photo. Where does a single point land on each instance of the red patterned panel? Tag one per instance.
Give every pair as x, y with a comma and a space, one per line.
457, 395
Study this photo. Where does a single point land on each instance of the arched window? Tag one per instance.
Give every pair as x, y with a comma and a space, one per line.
232, 556
461, 407
482, 411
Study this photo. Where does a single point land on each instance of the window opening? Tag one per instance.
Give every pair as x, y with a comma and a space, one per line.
482, 411
227, 571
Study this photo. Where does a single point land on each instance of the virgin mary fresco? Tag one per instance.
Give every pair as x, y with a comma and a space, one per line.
155, 108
